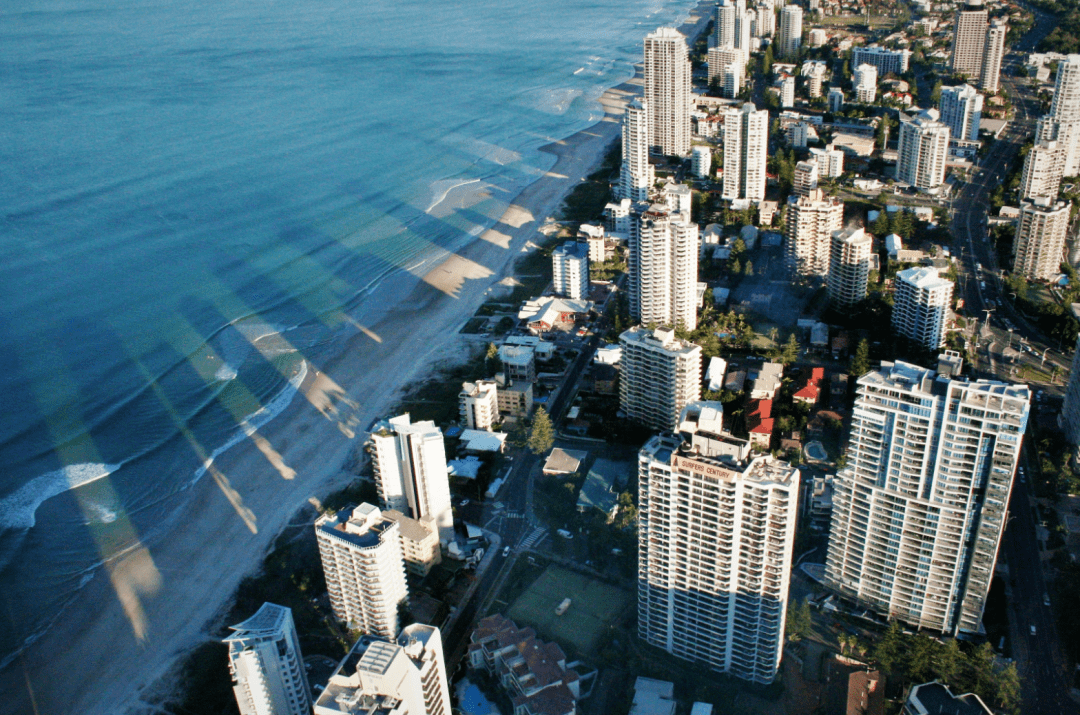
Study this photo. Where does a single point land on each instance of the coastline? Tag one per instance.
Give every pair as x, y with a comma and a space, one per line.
90, 660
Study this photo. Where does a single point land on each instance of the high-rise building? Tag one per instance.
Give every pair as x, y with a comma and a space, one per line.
1040, 238
714, 557
798, 134
410, 470
886, 61
266, 665
923, 151
1043, 169
865, 83
1066, 133
701, 161
764, 20
830, 161
403, 675
726, 63
805, 178
667, 92
811, 222
1066, 101
993, 54
732, 27
813, 71
849, 266
919, 509
662, 264
836, 99
364, 566
921, 306
789, 39
659, 375
1069, 417
1063, 123
961, 110
787, 91
478, 404
570, 270
969, 39
637, 174
746, 145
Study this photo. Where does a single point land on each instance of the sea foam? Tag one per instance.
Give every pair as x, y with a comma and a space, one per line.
18, 508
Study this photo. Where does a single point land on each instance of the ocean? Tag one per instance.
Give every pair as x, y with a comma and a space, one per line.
194, 194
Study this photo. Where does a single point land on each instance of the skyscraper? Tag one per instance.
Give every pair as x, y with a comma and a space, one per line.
919, 509
993, 54
921, 306
714, 556
746, 143
637, 174
961, 110
266, 665
732, 27
1063, 123
764, 20
662, 267
969, 39
570, 270
722, 60
923, 151
364, 566
1040, 238
811, 222
667, 92
805, 178
410, 470
849, 266
659, 375
1043, 169
865, 83
789, 39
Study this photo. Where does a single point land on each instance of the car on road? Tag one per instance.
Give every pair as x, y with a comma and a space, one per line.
1046, 600
1033, 629
506, 551
463, 502
564, 533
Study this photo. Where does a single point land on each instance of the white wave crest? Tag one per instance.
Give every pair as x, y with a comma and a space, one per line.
225, 373
18, 508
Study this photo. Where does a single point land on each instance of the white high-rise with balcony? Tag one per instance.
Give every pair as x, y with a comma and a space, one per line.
919, 509
746, 147
659, 375
667, 92
714, 557
830, 160
637, 174
961, 111
993, 54
662, 264
1063, 123
1043, 169
811, 222
923, 151
266, 665
849, 266
969, 39
478, 404
364, 565
570, 270
410, 470
789, 38
921, 306
726, 63
1040, 238
865, 83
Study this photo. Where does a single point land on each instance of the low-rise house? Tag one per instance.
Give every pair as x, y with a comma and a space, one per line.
544, 314
811, 391
564, 461
936, 699
767, 383
759, 423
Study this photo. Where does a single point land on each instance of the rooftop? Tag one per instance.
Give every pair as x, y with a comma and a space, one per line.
924, 278
361, 526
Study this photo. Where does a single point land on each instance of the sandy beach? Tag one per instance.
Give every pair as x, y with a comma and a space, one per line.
109, 650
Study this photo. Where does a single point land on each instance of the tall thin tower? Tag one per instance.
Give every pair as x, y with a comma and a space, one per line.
667, 92
637, 174
746, 141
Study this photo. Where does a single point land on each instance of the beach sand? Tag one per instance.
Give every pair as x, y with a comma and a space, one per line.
125, 632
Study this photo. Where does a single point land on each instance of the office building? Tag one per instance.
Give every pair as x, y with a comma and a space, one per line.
849, 266
961, 110
667, 92
365, 568
746, 145
714, 557
637, 174
1043, 167
266, 665
805, 178
570, 270
701, 162
478, 404
662, 265
993, 54
410, 470
921, 306
969, 39
1040, 238
865, 83
885, 61
836, 99
402, 675
923, 151
659, 375
919, 509
811, 222
789, 38
830, 161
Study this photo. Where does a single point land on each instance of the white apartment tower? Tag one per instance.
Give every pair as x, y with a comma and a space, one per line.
714, 557
478, 404
662, 268
993, 54
1043, 167
637, 175
886, 61
961, 109
570, 270
725, 65
849, 266
701, 161
1063, 123
811, 222
764, 20
659, 375
746, 144
405, 675
266, 665
732, 27
787, 92
789, 38
923, 151
410, 470
667, 92
836, 99
1040, 238
919, 509
865, 83
830, 161
805, 178
365, 568
921, 306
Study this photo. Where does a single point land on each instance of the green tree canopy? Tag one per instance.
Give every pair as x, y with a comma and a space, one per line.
542, 435
860, 363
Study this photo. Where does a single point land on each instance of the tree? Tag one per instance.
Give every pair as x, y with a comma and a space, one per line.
799, 622
860, 364
887, 651
766, 62
1008, 689
791, 350
748, 269
542, 435
735, 267
880, 226
491, 358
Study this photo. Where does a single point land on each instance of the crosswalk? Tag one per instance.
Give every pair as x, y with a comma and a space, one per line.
532, 539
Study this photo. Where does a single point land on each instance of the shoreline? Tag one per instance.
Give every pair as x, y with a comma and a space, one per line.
172, 588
